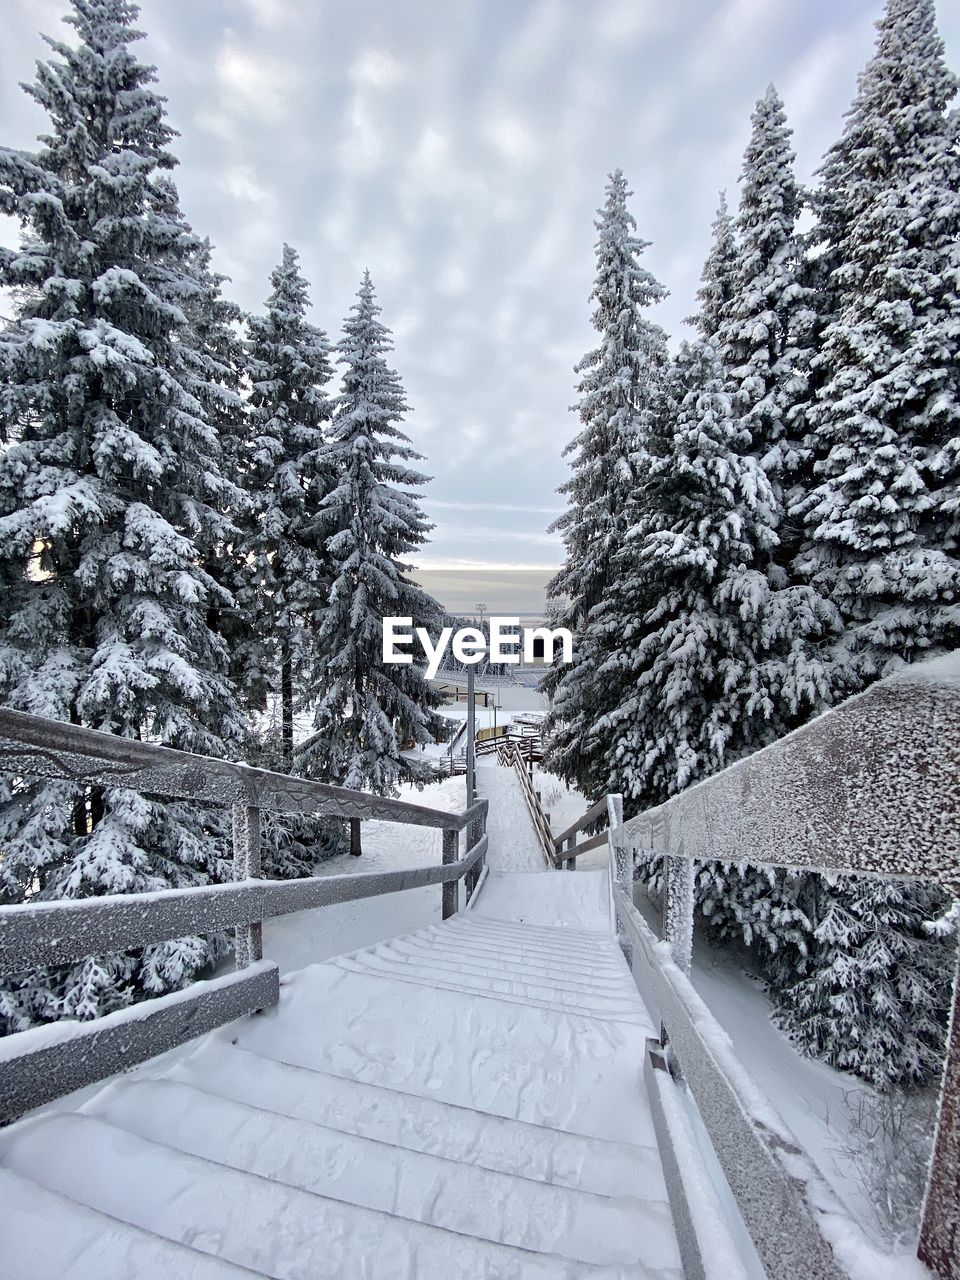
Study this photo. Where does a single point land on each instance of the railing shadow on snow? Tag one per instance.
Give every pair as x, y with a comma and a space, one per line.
41, 1064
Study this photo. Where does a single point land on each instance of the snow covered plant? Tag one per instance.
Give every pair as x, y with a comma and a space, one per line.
366, 710
764, 525
115, 503
888, 1142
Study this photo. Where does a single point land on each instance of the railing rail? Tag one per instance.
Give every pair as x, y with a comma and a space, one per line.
54, 749
45, 1062
511, 755
872, 787
52, 933
566, 848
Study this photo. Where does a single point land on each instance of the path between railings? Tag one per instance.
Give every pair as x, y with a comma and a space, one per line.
457, 1102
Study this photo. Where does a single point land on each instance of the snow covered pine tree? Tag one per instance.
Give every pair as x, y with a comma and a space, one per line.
705, 661
290, 477
367, 710
111, 495
284, 565
881, 526
620, 378
757, 312
718, 276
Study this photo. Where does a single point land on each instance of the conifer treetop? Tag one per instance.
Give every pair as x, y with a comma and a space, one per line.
719, 273
367, 710
618, 379
882, 522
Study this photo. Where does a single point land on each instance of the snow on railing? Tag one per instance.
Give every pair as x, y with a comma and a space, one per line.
511, 755
566, 850
44, 1063
872, 787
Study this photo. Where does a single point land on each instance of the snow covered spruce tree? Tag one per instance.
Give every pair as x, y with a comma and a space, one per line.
619, 382
219, 365
767, 323
366, 710
719, 274
876, 986
112, 499
881, 525
711, 662
290, 476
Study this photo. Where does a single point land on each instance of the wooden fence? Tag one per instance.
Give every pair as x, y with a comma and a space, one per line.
46, 1062
870, 788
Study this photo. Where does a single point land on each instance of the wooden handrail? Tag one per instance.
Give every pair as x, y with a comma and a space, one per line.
45, 1062
871, 787
593, 814
55, 749
50, 933
511, 754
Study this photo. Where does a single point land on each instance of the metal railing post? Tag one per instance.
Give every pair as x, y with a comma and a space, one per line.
677, 914
248, 944
451, 840
939, 1245
570, 864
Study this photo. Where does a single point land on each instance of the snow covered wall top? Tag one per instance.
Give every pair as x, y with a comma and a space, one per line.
871, 786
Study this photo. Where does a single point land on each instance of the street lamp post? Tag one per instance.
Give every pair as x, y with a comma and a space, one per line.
471, 729
472, 722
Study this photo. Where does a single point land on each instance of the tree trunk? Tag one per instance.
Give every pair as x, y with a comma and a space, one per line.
355, 837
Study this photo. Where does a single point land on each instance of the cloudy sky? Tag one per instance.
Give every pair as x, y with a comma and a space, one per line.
459, 149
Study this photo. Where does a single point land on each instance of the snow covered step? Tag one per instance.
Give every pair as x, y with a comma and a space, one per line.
586, 942
276, 1230
48, 1236
601, 955
492, 965
504, 1208
476, 956
605, 965
558, 979
423, 1124
580, 902
508, 992
545, 1066
438, 975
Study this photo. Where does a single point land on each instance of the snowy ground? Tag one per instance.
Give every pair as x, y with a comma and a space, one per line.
309, 937
810, 1096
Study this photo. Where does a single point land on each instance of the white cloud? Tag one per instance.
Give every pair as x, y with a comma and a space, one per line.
377, 69
272, 14
255, 82
453, 281
361, 145
240, 183
510, 136
622, 21
535, 45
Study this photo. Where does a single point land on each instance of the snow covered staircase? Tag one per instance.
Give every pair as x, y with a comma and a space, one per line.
464, 1101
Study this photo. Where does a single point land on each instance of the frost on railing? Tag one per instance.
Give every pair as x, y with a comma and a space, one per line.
42, 1063
871, 787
